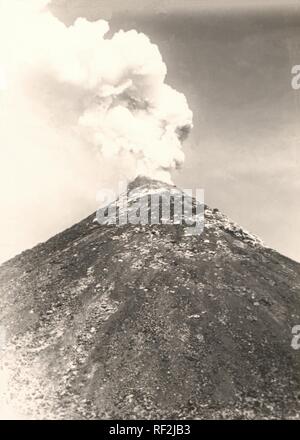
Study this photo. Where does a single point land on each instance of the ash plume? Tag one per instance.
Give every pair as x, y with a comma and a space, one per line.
78, 110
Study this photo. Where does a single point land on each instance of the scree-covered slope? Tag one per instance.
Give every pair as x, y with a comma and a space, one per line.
146, 322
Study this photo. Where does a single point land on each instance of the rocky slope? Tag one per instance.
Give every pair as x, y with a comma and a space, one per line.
143, 321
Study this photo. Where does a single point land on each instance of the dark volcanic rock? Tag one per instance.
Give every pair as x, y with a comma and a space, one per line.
146, 322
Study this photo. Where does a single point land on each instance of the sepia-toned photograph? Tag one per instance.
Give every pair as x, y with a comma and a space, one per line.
150, 213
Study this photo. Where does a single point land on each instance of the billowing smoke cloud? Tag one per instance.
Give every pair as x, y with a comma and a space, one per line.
78, 111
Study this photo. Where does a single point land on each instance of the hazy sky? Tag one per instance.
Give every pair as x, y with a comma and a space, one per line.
96, 8
232, 60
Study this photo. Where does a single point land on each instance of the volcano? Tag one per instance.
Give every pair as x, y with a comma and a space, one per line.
147, 322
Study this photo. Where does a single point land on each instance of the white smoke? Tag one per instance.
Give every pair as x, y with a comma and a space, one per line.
77, 110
